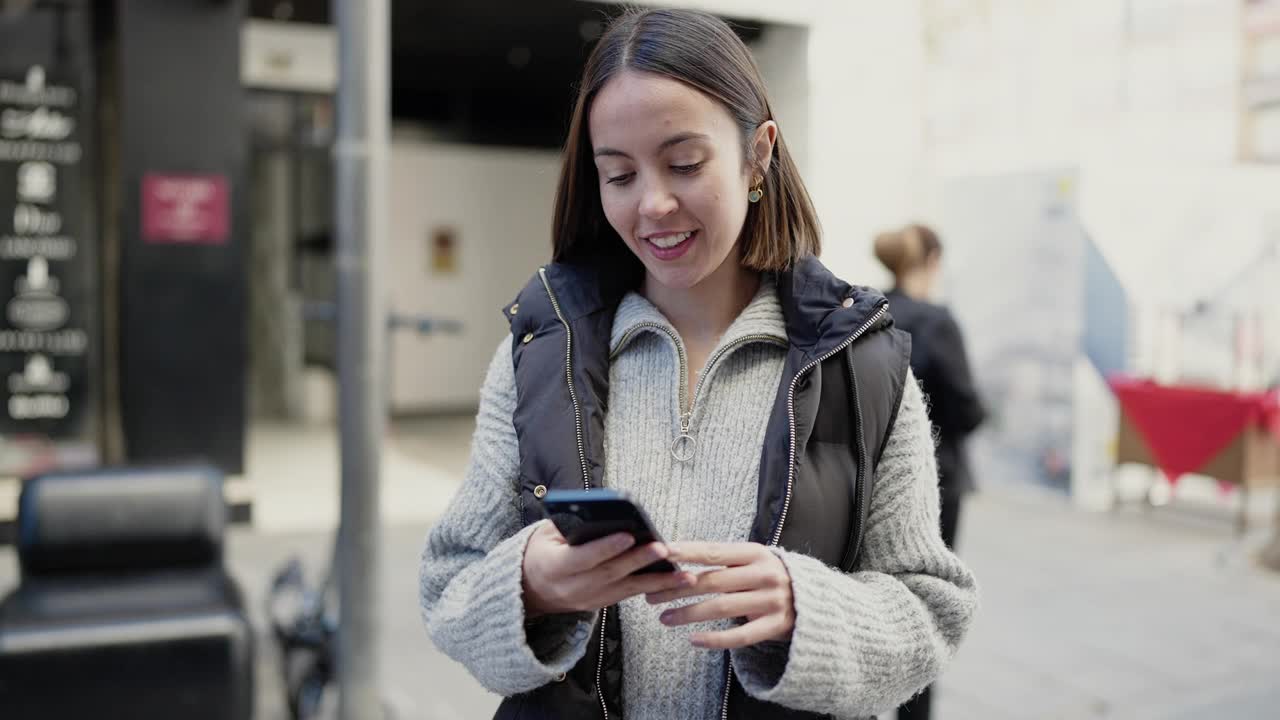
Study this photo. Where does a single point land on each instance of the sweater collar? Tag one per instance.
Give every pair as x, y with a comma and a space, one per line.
761, 317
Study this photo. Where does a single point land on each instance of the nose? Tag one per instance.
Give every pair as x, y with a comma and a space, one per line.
657, 201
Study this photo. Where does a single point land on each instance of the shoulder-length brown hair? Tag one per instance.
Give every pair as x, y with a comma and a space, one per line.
701, 51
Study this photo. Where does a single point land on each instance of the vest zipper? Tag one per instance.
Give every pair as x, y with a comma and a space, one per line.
604, 614
582, 458
568, 375
791, 465
791, 412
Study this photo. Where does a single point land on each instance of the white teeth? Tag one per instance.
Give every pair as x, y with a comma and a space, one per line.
670, 241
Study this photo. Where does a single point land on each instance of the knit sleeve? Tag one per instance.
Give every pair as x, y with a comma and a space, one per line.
866, 641
470, 579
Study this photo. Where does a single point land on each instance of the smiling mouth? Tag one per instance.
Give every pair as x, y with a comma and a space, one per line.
667, 242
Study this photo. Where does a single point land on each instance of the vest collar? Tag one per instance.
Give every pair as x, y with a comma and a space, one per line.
819, 310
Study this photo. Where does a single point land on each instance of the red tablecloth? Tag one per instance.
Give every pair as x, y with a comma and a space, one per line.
1185, 427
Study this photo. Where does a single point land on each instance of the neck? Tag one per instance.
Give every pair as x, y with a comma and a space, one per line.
705, 311
915, 284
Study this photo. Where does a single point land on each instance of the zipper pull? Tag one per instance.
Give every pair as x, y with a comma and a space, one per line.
682, 448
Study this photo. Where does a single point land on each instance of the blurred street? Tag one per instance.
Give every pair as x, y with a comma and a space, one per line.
1120, 615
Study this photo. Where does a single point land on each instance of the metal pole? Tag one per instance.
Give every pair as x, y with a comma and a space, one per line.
363, 116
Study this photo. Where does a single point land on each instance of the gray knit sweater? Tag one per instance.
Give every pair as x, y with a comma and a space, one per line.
863, 642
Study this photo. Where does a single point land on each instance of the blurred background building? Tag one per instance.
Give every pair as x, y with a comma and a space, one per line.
1105, 175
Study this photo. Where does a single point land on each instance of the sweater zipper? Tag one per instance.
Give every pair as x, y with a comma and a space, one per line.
582, 458
791, 466
686, 418
684, 362
687, 403
728, 683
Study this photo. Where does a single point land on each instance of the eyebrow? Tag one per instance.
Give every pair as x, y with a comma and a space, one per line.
673, 140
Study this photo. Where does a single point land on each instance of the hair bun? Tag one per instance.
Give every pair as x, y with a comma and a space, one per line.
898, 250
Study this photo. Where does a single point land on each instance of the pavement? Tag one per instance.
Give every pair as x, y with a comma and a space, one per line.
1126, 614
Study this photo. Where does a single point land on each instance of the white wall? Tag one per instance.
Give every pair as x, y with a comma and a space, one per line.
498, 200
1011, 84
1141, 100
782, 55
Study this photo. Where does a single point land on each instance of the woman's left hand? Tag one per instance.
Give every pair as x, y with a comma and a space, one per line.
750, 583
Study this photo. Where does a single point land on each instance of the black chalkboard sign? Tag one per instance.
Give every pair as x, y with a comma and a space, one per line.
45, 301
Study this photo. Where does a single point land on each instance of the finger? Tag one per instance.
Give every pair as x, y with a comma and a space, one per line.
727, 580
641, 584
588, 556
722, 554
750, 605
635, 559
756, 631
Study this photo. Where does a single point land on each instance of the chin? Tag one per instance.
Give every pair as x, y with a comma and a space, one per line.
676, 278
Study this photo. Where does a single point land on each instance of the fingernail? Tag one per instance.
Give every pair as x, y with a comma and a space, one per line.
697, 641
686, 581
624, 542
665, 617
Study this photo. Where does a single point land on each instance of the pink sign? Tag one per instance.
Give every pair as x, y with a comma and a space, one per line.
185, 209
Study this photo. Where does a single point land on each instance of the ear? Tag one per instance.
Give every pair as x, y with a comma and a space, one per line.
762, 146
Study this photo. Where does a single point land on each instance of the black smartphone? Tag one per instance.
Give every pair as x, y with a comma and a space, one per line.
585, 515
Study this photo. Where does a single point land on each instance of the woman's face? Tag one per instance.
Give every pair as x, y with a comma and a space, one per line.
673, 180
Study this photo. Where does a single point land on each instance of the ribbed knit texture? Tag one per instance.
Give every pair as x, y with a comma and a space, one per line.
863, 642
711, 496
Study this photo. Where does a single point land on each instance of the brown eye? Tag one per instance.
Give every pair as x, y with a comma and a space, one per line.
687, 169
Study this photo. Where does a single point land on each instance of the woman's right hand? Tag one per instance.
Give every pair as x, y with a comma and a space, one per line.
563, 578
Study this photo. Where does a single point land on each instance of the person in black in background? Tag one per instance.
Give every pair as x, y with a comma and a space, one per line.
914, 256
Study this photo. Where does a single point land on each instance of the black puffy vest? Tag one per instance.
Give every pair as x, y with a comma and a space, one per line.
841, 386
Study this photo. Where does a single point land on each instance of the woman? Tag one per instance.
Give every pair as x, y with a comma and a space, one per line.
914, 256
686, 346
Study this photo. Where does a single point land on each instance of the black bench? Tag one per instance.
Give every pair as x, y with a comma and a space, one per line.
124, 608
